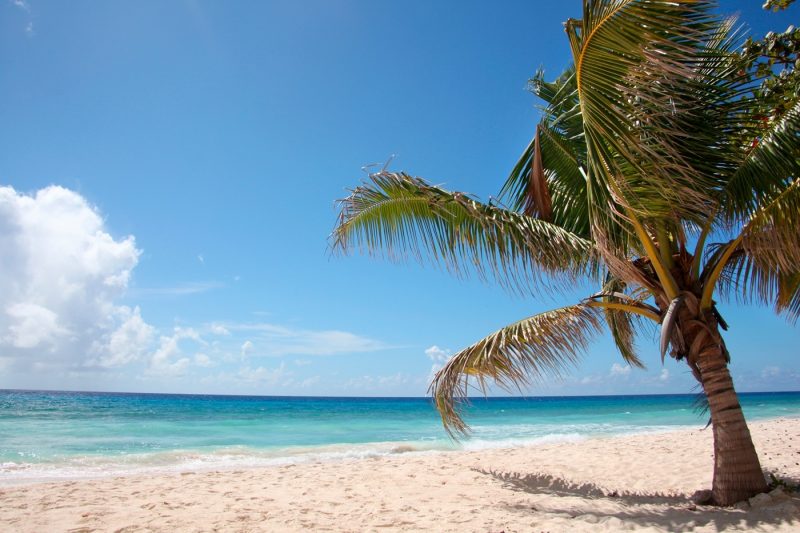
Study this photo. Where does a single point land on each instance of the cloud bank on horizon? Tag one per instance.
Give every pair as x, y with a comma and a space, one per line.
62, 275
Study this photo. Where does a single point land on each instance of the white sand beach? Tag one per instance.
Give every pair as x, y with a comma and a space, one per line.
638, 483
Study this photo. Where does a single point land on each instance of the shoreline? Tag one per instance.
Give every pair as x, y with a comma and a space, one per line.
639, 481
245, 458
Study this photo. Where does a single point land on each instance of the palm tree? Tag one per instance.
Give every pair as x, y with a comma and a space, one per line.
651, 145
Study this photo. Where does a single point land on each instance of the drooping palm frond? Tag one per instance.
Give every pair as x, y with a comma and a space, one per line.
788, 300
396, 214
527, 351
762, 263
747, 279
773, 232
621, 323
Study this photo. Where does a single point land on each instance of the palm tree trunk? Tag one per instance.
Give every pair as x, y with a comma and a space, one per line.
737, 471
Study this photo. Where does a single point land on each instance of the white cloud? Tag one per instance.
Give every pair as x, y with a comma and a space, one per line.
380, 383
32, 325
218, 329
127, 343
435, 367
770, 372
183, 289
437, 355
201, 258
168, 359
61, 273
274, 340
664, 375
24, 6
620, 370
309, 382
247, 347
201, 359
269, 376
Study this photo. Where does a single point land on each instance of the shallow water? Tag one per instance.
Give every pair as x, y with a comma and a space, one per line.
56, 435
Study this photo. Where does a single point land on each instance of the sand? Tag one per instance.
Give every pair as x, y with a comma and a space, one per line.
639, 483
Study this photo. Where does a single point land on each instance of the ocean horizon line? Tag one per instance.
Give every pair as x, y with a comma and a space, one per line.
342, 397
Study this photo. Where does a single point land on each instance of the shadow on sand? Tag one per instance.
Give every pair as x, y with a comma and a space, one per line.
654, 510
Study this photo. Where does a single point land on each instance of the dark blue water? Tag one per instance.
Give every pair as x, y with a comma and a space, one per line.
72, 434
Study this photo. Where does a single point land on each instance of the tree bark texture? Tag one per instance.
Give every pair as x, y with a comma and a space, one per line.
737, 470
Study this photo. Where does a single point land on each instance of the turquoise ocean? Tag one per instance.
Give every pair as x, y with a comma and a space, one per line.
46, 435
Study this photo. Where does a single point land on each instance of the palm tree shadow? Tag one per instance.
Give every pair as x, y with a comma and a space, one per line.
546, 483
666, 511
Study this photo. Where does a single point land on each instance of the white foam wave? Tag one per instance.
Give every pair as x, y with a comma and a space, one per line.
556, 438
96, 466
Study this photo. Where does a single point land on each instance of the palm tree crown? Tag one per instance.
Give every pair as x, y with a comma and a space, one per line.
651, 145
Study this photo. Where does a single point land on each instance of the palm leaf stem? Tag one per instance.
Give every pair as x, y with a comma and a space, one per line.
697, 259
664, 276
664, 245
630, 308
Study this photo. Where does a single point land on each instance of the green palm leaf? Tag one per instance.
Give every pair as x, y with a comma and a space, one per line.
396, 214
771, 154
762, 264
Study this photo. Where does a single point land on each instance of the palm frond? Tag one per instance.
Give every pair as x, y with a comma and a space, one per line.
770, 157
559, 146
621, 323
635, 65
396, 214
565, 182
773, 232
762, 264
525, 352
748, 279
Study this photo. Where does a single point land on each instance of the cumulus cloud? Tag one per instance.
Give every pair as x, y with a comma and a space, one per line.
437, 355
61, 273
127, 343
247, 347
620, 370
664, 375
169, 360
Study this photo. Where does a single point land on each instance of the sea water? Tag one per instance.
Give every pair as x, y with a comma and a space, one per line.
48, 435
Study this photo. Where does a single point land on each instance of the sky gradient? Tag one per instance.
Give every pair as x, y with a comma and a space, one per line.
169, 172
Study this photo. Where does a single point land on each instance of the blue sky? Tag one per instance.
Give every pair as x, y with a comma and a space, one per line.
170, 171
